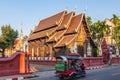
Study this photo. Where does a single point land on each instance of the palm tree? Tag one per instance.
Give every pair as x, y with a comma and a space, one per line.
116, 32
115, 20
116, 35
98, 30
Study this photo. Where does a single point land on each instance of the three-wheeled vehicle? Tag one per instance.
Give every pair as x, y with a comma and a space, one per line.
66, 69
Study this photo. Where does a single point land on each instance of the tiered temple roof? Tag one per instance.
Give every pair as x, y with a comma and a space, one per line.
70, 34
59, 30
47, 26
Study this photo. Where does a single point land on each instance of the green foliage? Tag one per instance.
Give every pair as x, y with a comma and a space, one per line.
7, 37
100, 30
89, 21
3, 43
116, 35
115, 20
95, 52
116, 31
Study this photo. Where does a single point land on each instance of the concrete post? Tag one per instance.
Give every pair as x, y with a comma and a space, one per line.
89, 53
117, 51
100, 51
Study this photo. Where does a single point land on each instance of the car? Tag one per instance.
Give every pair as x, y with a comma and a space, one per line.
69, 67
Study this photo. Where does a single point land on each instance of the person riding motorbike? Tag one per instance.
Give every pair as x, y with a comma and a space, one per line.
76, 66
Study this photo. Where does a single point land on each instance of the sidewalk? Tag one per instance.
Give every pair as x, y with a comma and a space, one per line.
34, 68
17, 77
42, 68
99, 67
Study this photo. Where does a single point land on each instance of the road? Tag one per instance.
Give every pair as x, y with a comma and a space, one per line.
106, 73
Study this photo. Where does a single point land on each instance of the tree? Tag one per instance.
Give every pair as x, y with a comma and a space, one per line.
7, 37
91, 27
116, 35
115, 20
116, 32
100, 29
3, 45
89, 21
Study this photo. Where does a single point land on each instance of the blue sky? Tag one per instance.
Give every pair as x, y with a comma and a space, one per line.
30, 12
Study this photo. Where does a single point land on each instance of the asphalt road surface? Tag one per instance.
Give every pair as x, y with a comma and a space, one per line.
107, 73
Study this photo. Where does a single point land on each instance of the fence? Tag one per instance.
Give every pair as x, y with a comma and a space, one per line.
88, 61
15, 64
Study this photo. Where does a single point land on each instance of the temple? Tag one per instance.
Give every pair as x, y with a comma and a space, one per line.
18, 45
60, 34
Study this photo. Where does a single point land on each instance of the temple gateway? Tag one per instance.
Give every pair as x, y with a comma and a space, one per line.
60, 34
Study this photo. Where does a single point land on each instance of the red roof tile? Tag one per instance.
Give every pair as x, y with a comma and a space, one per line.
75, 24
73, 27
66, 40
42, 34
56, 36
50, 21
65, 22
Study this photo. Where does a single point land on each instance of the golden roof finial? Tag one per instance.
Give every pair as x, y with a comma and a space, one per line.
55, 39
76, 30
66, 8
66, 43
47, 34
84, 11
65, 26
75, 9
21, 32
56, 23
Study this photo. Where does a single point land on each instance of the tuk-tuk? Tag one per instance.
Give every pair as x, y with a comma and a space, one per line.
65, 70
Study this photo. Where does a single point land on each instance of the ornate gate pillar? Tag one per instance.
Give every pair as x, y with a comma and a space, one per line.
105, 52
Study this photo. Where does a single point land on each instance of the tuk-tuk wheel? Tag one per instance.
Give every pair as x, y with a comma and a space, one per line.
72, 77
63, 78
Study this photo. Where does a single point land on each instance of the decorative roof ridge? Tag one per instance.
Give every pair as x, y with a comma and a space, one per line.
76, 30
62, 35
50, 38
86, 24
72, 39
47, 34
71, 33
57, 18
58, 42
53, 32
65, 25
66, 43
54, 38
45, 29
73, 14
77, 27
65, 11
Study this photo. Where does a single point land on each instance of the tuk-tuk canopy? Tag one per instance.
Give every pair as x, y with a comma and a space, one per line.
74, 54
65, 58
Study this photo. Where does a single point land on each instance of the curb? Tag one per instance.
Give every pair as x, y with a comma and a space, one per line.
95, 67
22, 77
17, 78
